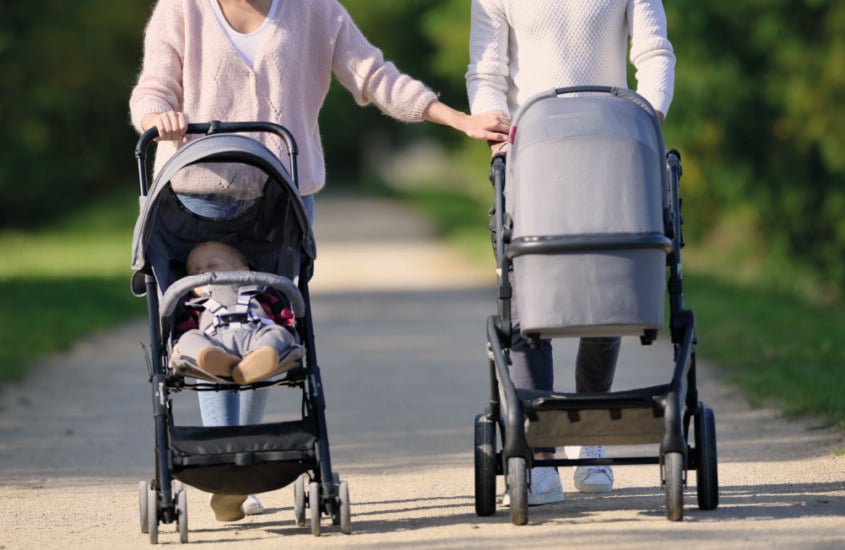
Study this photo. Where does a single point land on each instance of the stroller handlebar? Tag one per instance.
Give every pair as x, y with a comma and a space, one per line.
217, 127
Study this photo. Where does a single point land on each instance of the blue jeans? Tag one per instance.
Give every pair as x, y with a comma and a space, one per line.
228, 408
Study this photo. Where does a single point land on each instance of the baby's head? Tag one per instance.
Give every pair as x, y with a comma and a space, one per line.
214, 256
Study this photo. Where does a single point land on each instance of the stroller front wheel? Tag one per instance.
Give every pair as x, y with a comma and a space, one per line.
673, 465
485, 465
518, 490
299, 501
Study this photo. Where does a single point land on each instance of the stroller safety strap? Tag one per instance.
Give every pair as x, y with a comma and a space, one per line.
235, 308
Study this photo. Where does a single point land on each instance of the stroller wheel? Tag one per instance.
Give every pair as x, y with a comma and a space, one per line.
143, 509
485, 466
706, 475
299, 500
673, 467
314, 504
152, 514
518, 490
182, 513
345, 508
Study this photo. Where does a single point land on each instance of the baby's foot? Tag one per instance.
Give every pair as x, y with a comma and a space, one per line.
256, 365
216, 361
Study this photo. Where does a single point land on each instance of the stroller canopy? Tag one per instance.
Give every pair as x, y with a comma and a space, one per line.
272, 230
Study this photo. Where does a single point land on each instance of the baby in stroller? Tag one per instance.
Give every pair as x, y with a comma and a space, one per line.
243, 333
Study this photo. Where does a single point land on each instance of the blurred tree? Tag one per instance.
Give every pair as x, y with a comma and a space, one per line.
757, 107
67, 70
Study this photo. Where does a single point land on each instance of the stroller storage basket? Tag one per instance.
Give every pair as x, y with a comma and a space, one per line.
242, 459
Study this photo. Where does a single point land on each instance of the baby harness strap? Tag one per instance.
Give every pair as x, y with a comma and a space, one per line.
231, 306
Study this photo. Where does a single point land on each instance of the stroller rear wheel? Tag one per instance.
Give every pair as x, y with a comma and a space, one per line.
707, 475
518, 490
485, 465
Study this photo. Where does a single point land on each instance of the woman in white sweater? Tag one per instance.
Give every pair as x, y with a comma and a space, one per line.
519, 48
266, 60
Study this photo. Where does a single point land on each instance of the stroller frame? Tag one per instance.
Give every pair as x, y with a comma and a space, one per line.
659, 414
265, 456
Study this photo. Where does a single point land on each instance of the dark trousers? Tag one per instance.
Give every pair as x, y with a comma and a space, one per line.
595, 364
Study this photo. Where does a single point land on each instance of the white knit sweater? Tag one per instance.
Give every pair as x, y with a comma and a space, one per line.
519, 48
191, 65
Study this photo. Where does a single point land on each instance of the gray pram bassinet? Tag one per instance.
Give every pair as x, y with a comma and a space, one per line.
588, 172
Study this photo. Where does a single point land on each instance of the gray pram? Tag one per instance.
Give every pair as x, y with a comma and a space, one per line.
274, 233
587, 218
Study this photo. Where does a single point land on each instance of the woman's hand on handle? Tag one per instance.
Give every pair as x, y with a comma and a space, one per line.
171, 125
492, 126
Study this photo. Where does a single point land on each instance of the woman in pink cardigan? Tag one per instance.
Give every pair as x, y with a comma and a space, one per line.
268, 60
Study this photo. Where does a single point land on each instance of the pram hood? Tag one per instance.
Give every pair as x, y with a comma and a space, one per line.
273, 232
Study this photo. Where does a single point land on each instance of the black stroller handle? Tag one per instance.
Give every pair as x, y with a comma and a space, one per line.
218, 127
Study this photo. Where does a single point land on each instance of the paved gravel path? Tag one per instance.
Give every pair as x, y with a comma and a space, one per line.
400, 338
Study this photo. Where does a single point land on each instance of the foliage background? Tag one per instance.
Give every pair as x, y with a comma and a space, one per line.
757, 118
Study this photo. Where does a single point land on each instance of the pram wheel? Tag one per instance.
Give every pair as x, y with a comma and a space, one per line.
707, 475
299, 501
518, 490
336, 509
152, 514
314, 504
673, 471
485, 466
345, 508
181, 511
143, 487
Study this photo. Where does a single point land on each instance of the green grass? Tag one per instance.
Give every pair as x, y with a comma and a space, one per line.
780, 349
64, 282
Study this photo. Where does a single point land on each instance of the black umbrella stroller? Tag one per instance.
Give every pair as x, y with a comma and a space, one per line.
274, 233
590, 238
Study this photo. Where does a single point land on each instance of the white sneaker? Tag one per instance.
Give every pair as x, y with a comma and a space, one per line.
593, 479
545, 487
252, 506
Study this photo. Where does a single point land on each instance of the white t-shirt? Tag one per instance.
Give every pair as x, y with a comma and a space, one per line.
249, 44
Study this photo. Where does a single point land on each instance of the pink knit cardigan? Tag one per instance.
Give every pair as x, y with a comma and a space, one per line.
191, 65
